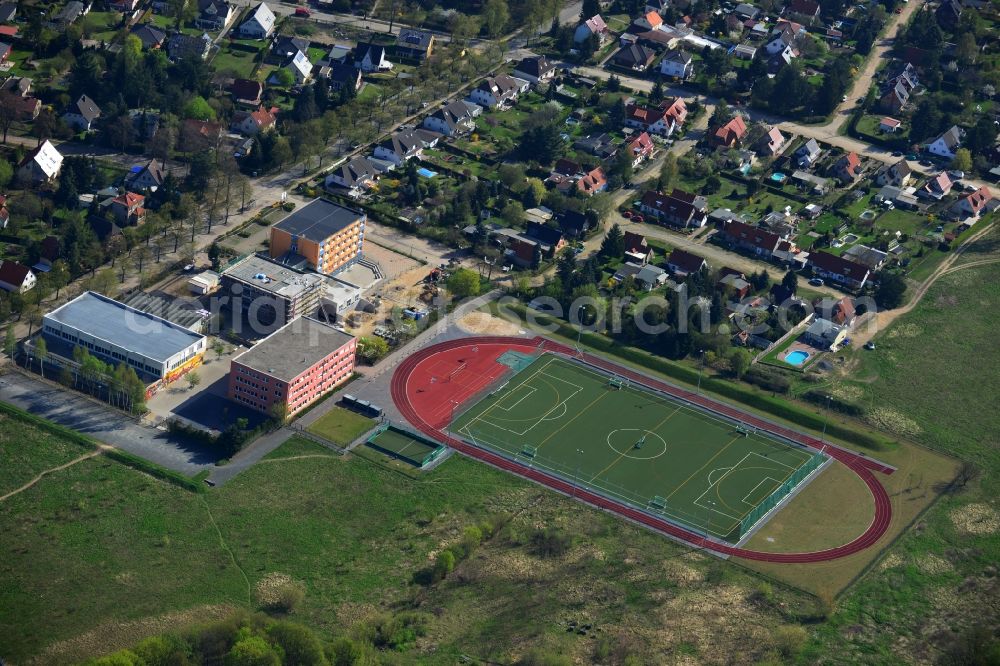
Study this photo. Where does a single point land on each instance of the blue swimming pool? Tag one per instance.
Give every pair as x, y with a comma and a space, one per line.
426, 173
796, 358
778, 177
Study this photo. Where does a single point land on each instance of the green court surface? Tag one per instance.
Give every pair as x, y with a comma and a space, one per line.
633, 444
404, 446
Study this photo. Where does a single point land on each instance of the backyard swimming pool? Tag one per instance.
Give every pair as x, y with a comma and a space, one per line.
426, 173
797, 357
778, 177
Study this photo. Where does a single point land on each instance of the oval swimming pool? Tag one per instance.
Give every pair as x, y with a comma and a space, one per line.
797, 357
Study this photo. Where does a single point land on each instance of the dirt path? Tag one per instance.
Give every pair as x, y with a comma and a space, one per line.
868, 327
301, 457
100, 449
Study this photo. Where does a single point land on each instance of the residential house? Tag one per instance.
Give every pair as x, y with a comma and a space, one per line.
452, 119
974, 203
948, 14
838, 310
771, 143
259, 24
937, 187
677, 63
17, 85
806, 11
501, 91
15, 277
637, 249
897, 174
847, 168
285, 47
41, 165
574, 223
946, 144
300, 67
181, 46
746, 11
127, 209
594, 26
371, 58
902, 198
247, 93
658, 6
730, 134
123, 6
825, 335
149, 178
678, 209
252, 123
809, 181
523, 252
214, 14
745, 52
399, 148
650, 277
592, 182
26, 109
550, 239
889, 125
640, 148
811, 211
734, 280
602, 145
634, 57
339, 53
8, 12
808, 153
742, 236
70, 13
662, 119
895, 97
866, 256
342, 75
648, 21
414, 44
358, 172
200, 134
535, 69
781, 40
844, 272
682, 263
150, 36
82, 114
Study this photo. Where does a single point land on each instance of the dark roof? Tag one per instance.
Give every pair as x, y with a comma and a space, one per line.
289, 46
318, 220
543, 233
804, 7
149, 35
343, 73
375, 51
535, 66
838, 265
685, 261
246, 89
752, 235
573, 222
87, 109
7, 12
634, 54
414, 39
12, 272
294, 348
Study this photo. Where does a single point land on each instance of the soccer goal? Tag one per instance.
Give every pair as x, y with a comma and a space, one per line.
658, 503
617, 383
529, 451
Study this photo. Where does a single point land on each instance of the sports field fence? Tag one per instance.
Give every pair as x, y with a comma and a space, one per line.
781, 492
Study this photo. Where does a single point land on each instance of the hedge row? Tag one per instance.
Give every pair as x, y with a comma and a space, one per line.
123, 457
761, 401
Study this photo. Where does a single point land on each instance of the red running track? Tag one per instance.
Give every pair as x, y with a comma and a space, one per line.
431, 383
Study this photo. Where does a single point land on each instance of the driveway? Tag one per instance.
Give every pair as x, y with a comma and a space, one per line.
72, 410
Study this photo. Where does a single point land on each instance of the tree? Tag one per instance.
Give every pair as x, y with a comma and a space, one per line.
219, 348
8, 113
59, 275
252, 651
513, 213
199, 109
193, 379
41, 353
10, 342
890, 291
463, 283
495, 15
6, 173
739, 362
962, 160
590, 8
613, 245
372, 348
299, 644
965, 49
790, 282
668, 173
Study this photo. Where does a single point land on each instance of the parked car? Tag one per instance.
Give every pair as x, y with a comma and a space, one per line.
303, 12
870, 345
816, 282
638, 218
958, 175
628, 215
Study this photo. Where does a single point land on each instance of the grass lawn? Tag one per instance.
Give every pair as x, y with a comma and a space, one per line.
240, 63
25, 453
369, 92
904, 221
341, 426
102, 549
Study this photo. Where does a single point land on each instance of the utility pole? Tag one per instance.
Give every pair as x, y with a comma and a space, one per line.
701, 368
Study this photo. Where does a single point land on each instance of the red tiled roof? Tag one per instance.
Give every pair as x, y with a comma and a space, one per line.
978, 199
685, 261
14, 273
592, 182
838, 265
635, 242
752, 235
129, 199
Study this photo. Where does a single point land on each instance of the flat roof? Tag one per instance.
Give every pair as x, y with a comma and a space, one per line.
294, 348
124, 327
272, 277
318, 220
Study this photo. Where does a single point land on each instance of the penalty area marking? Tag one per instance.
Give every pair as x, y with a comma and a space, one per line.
641, 433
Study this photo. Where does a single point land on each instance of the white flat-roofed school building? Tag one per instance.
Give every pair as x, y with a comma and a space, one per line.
156, 348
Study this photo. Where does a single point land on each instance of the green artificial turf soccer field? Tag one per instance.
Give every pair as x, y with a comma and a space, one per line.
635, 445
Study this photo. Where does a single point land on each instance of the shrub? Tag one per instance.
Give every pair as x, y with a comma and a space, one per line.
789, 639
550, 542
278, 592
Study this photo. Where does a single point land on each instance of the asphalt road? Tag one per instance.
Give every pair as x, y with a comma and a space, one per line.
71, 409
